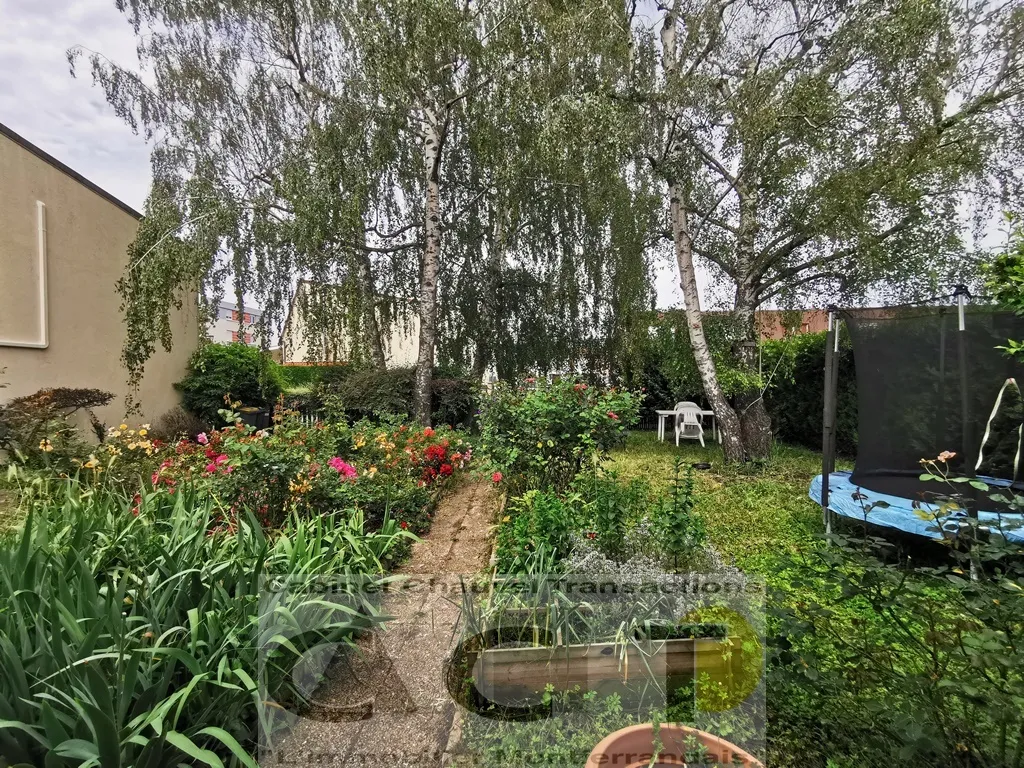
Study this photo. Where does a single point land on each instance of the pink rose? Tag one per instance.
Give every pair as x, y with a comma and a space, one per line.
496, 477
202, 439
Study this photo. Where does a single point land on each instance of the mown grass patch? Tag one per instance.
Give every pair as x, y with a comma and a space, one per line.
754, 513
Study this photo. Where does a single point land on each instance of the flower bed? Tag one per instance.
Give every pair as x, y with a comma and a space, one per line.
392, 470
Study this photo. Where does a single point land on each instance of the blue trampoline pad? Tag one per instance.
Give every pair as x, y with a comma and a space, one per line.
849, 500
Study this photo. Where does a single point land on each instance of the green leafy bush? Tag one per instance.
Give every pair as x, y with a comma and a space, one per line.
544, 437
365, 393
370, 392
128, 637
794, 371
216, 370
537, 522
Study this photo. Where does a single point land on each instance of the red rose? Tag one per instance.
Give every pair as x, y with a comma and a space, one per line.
403, 525
496, 477
446, 469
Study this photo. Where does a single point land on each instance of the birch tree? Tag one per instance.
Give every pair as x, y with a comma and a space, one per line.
816, 151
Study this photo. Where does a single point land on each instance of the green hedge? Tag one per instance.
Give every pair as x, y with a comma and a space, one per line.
365, 392
795, 394
215, 370
297, 376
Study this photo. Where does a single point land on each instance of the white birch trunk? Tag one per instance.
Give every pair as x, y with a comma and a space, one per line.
430, 265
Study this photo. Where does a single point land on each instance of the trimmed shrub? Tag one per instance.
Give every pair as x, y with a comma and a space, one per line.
794, 369
367, 392
216, 370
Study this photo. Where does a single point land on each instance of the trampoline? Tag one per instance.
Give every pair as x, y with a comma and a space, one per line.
929, 379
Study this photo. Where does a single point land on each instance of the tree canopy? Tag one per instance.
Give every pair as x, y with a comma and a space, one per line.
509, 170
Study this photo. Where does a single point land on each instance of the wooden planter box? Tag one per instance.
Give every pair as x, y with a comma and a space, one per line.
511, 673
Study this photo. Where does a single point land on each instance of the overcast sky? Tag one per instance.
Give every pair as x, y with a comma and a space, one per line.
66, 116
69, 117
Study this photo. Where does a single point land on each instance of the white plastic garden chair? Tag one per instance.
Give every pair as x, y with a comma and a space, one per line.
688, 423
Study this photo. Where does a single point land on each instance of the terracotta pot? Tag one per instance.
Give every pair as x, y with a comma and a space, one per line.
633, 747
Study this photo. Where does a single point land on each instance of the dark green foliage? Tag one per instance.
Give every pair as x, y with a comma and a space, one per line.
917, 666
216, 370
537, 522
680, 532
370, 392
794, 371
455, 401
295, 376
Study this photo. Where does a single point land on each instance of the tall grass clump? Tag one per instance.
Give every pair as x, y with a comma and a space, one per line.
133, 632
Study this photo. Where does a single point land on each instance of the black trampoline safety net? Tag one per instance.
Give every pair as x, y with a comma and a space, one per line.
924, 386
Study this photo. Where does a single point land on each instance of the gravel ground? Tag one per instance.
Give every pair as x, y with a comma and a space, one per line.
386, 706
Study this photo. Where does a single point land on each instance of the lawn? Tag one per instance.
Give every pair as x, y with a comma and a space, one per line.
753, 513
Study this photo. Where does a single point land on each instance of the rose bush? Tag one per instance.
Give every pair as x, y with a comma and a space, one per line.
313, 469
542, 437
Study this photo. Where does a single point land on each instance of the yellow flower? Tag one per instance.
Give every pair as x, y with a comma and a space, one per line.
123, 427
45, 445
115, 433
359, 442
143, 432
506, 519
92, 462
131, 446
371, 471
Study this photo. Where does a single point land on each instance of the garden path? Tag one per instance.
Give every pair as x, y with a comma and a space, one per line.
388, 706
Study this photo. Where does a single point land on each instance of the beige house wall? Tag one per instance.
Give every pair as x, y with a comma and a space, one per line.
68, 332
401, 343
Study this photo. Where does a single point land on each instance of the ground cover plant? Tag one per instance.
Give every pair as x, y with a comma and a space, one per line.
874, 658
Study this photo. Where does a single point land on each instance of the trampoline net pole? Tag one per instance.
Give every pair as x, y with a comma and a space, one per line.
828, 416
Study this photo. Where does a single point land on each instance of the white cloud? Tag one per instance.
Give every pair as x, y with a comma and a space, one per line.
63, 115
